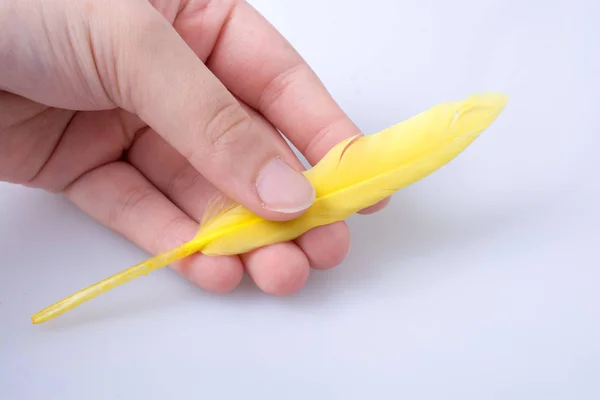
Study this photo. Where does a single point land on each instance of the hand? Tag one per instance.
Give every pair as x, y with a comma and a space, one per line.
141, 112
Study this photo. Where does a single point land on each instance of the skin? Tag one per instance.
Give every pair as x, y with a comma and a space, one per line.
140, 112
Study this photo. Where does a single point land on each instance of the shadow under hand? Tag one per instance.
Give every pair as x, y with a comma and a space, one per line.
402, 235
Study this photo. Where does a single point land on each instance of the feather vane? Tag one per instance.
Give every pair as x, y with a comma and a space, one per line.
355, 174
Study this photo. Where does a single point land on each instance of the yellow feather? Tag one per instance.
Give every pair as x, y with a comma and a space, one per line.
355, 174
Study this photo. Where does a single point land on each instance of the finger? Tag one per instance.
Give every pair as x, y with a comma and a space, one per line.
160, 78
376, 207
176, 177
88, 140
281, 81
325, 247
280, 269
119, 197
260, 67
277, 269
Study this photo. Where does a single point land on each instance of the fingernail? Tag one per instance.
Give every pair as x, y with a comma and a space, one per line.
283, 189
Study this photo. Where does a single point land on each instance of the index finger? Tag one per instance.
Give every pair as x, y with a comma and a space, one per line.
262, 68
257, 64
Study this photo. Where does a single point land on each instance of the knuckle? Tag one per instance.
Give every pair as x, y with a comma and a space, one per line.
173, 234
183, 180
192, 8
325, 137
278, 85
131, 202
226, 128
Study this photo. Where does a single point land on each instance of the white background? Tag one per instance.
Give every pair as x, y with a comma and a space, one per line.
479, 282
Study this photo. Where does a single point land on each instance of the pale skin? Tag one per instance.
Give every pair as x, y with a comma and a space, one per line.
140, 112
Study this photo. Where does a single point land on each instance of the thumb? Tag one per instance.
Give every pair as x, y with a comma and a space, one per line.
159, 78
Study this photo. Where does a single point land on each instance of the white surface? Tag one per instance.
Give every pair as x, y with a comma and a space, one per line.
480, 282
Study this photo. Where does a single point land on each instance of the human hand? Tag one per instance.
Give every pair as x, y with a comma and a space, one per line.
141, 112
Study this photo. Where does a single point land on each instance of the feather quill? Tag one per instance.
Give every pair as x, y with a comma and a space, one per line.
356, 173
